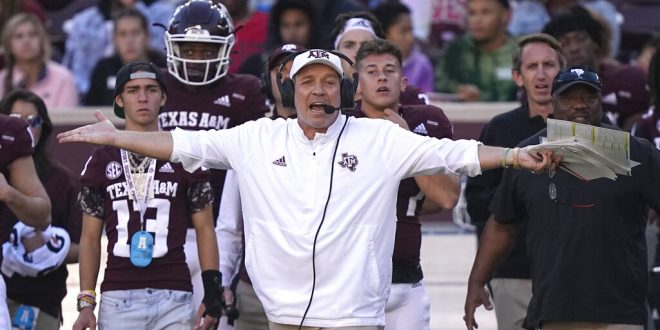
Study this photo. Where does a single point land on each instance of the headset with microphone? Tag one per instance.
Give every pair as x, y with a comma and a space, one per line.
347, 86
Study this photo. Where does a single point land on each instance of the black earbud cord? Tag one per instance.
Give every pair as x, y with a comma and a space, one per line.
318, 230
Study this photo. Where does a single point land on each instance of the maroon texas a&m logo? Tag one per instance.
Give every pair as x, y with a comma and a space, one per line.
348, 161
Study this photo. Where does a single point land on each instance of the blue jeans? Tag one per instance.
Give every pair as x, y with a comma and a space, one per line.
146, 309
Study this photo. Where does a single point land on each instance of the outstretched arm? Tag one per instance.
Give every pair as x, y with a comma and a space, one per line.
157, 145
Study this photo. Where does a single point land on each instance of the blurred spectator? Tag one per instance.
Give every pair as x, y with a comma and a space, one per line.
9, 8
327, 11
131, 41
527, 17
251, 30
89, 34
584, 42
448, 21
477, 67
352, 29
604, 10
646, 53
395, 19
28, 64
291, 22
46, 291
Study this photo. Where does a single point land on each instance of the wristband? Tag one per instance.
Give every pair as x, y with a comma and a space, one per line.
516, 158
506, 152
212, 280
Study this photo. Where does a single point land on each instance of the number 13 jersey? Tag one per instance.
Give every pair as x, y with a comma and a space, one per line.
177, 196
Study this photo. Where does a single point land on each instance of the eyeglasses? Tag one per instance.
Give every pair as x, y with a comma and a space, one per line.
33, 120
552, 191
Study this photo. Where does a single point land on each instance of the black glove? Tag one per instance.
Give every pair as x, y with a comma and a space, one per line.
213, 300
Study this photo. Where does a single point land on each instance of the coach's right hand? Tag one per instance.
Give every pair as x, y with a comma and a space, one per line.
86, 319
477, 295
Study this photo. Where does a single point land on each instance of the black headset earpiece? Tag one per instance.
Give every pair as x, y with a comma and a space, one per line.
265, 81
286, 91
347, 86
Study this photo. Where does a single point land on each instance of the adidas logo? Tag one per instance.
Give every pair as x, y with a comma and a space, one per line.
167, 168
223, 100
280, 162
421, 129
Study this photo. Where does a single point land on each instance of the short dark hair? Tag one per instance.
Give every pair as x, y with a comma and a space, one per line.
540, 38
578, 18
340, 21
130, 13
388, 12
377, 47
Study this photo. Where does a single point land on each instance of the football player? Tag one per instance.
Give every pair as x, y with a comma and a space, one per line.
20, 189
145, 206
202, 95
380, 72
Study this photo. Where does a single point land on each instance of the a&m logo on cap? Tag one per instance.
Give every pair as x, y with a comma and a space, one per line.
578, 72
318, 54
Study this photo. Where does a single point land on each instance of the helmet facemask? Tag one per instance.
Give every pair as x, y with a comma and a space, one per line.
198, 72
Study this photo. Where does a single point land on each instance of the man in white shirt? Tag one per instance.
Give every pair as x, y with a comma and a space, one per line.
318, 194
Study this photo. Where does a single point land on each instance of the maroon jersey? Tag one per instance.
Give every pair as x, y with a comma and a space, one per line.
424, 120
15, 142
167, 217
624, 91
649, 127
229, 102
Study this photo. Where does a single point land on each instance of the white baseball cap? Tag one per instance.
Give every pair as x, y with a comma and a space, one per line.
313, 56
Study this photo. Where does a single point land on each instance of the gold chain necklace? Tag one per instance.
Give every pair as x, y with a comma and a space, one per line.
140, 168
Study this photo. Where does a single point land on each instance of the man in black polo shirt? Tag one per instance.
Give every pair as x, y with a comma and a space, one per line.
585, 239
535, 64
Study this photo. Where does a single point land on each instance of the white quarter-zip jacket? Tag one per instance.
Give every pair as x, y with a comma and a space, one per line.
285, 181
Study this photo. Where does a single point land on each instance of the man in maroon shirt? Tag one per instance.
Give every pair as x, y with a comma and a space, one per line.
20, 189
145, 206
380, 70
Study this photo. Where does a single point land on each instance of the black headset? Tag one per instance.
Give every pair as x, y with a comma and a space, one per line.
347, 86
